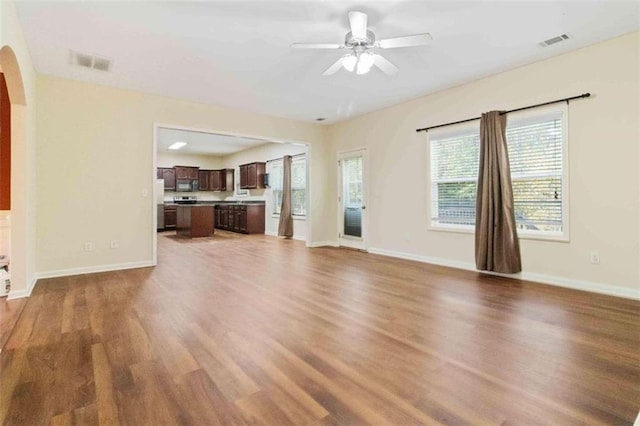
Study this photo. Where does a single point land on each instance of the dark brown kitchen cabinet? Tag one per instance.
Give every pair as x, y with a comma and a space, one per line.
243, 218
186, 172
215, 180
215, 177
204, 180
170, 216
218, 218
169, 176
252, 175
221, 180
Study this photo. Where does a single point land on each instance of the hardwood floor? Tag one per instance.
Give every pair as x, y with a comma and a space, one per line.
10, 311
238, 329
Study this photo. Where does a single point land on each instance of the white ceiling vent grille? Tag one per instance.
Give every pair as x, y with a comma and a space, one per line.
90, 61
554, 40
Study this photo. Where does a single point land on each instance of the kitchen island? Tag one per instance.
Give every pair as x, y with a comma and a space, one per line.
194, 220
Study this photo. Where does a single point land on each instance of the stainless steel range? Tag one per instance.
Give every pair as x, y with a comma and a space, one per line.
185, 199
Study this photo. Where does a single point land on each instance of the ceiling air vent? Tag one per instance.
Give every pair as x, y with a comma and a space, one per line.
554, 40
90, 61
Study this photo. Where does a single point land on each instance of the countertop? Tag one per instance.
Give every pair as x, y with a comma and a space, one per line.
213, 203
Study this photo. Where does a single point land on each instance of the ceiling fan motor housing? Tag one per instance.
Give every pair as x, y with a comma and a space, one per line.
351, 41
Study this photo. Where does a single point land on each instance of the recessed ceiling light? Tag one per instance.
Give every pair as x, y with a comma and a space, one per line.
177, 145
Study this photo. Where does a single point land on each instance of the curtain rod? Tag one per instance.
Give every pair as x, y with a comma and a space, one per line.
584, 95
292, 156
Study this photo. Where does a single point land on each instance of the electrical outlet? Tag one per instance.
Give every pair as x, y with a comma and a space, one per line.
114, 244
88, 246
594, 258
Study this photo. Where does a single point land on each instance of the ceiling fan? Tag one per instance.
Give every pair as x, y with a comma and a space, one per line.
361, 44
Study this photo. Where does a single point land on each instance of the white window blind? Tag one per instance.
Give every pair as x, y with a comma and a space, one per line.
275, 179
298, 185
535, 142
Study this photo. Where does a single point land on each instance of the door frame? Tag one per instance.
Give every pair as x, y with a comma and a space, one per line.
353, 242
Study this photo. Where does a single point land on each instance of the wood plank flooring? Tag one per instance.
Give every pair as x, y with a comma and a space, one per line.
244, 330
10, 311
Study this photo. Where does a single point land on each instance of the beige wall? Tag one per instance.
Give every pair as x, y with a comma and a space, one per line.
23, 173
603, 164
95, 159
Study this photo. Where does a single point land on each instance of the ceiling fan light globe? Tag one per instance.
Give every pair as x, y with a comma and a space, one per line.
349, 62
366, 59
365, 62
362, 68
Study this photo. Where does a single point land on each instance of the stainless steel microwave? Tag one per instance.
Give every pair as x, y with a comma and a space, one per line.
186, 185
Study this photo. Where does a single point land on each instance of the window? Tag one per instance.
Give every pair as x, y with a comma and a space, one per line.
298, 185
353, 178
537, 152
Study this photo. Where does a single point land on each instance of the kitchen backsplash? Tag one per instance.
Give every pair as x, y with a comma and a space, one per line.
258, 194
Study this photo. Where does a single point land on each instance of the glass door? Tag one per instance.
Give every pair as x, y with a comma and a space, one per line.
351, 200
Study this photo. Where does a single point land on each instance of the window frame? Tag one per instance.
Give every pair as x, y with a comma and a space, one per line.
516, 118
299, 158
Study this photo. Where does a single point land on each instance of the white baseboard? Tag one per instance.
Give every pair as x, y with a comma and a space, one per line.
295, 237
323, 244
75, 271
592, 287
19, 294
93, 269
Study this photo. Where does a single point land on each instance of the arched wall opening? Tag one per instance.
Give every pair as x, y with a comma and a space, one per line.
13, 212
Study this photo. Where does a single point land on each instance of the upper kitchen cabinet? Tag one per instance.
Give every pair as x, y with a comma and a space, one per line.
205, 180
222, 180
252, 175
215, 180
169, 177
184, 172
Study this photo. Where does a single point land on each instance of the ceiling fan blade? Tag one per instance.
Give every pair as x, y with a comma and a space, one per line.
405, 41
316, 46
334, 68
386, 66
358, 24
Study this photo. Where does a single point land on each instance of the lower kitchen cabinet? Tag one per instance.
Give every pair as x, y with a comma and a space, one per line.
170, 217
243, 218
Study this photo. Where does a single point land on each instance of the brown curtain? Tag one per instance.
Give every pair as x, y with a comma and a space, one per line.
285, 227
497, 246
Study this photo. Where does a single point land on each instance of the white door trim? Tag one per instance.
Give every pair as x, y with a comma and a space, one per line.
347, 241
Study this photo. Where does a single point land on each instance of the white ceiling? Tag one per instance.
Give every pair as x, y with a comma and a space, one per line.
203, 143
237, 54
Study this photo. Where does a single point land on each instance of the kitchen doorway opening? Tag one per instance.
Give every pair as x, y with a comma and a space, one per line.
204, 167
16, 237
